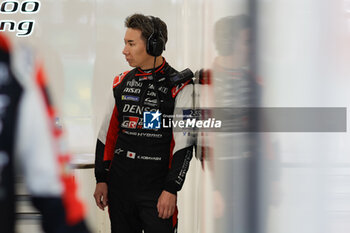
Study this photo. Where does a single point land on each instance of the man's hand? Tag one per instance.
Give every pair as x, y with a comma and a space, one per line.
166, 205
100, 195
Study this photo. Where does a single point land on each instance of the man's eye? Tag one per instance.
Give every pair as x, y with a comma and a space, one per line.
131, 44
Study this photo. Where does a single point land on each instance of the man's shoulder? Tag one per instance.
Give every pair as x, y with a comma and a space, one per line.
169, 69
120, 77
179, 80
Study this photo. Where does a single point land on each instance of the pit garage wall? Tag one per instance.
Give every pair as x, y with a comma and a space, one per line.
303, 59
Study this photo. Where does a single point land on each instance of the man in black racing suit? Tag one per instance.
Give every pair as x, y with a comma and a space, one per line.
143, 168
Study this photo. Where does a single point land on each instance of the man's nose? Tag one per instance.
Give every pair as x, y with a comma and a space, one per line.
125, 50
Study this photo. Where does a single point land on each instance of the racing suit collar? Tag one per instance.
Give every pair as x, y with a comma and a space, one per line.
147, 74
149, 71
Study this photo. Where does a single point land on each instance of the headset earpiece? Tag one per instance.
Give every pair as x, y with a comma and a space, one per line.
155, 42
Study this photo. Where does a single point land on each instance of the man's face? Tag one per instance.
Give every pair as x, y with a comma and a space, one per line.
135, 49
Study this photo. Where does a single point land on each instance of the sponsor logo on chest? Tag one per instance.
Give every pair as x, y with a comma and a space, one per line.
134, 83
132, 90
136, 109
132, 122
118, 151
150, 102
131, 98
151, 93
161, 88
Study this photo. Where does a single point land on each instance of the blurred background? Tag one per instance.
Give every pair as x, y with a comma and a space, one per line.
293, 53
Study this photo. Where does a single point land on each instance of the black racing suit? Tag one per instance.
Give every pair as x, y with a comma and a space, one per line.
139, 163
29, 138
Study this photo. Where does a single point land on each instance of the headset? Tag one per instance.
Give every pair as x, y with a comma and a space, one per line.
155, 42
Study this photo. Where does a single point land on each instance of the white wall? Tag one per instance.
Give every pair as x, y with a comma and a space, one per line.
304, 63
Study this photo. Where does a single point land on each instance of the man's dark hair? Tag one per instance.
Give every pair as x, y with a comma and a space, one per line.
226, 32
145, 25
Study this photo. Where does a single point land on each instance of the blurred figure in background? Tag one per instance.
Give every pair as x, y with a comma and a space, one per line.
32, 146
232, 152
233, 158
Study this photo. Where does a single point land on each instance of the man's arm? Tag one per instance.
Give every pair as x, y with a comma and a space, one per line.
180, 156
105, 145
102, 164
182, 143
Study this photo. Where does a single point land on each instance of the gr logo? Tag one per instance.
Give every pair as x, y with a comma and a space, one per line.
24, 27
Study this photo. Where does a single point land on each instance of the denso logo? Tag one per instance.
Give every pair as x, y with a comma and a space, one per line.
132, 108
25, 27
